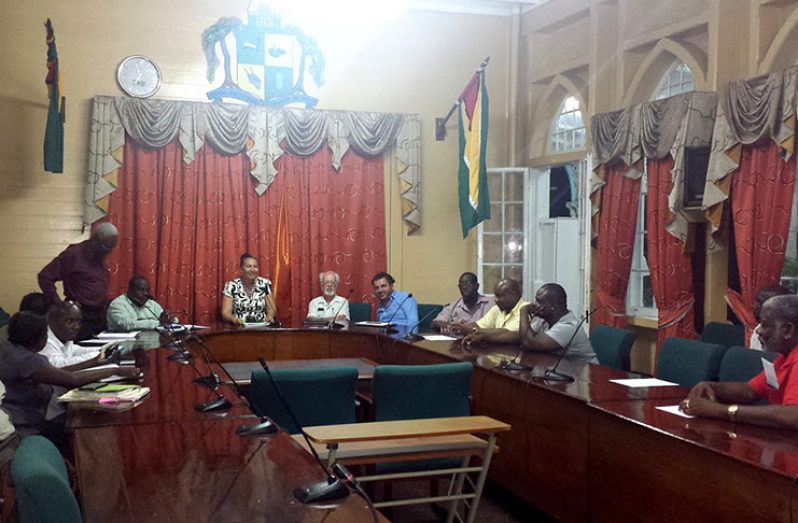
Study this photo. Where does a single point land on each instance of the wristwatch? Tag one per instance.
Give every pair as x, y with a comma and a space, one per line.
732, 411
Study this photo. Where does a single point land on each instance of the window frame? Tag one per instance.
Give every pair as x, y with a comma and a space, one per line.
571, 132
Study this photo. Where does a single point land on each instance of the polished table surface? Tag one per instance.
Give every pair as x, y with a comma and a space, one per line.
162, 461
241, 371
562, 453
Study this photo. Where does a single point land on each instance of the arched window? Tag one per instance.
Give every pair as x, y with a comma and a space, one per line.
677, 80
640, 296
568, 131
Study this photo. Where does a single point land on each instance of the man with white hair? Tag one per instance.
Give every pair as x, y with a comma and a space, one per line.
82, 269
329, 305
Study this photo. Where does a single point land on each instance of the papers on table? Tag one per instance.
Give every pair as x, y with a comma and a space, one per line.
256, 324
674, 409
108, 394
438, 337
374, 324
644, 382
118, 335
109, 379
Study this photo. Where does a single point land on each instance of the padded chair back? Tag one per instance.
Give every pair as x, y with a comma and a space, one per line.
421, 391
742, 364
41, 484
612, 346
359, 312
724, 334
427, 312
687, 362
322, 396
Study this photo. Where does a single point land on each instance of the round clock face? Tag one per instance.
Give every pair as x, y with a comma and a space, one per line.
138, 76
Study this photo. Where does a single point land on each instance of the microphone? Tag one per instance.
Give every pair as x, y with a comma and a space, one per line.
264, 426
330, 488
331, 325
514, 365
399, 308
181, 355
552, 374
410, 336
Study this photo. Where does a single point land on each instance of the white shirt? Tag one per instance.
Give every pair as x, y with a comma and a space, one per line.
61, 354
756, 341
320, 308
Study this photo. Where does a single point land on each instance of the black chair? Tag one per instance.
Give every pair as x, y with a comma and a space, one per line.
359, 312
724, 334
687, 362
612, 346
742, 364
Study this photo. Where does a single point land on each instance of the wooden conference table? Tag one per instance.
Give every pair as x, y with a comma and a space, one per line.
585, 450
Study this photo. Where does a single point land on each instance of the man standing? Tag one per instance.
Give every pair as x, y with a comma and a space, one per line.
501, 323
548, 326
329, 305
736, 401
397, 307
83, 270
470, 308
135, 310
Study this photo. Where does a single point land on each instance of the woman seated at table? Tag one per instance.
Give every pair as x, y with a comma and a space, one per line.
28, 376
248, 299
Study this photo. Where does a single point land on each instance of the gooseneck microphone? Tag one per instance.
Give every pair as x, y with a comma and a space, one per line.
399, 308
264, 426
330, 488
514, 365
410, 335
331, 325
552, 374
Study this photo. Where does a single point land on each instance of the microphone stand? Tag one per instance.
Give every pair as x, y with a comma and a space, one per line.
181, 355
330, 488
331, 325
552, 374
264, 426
410, 336
220, 403
514, 365
399, 308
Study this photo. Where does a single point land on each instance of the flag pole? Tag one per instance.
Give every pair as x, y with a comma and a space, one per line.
440, 123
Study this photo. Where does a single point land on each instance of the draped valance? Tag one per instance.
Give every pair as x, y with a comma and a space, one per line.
652, 130
749, 111
263, 133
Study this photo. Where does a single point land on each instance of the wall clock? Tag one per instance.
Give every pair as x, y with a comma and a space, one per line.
138, 76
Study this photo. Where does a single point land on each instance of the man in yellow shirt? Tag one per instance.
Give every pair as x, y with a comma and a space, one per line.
502, 322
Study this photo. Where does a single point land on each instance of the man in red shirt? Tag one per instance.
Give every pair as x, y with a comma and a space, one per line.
82, 269
779, 333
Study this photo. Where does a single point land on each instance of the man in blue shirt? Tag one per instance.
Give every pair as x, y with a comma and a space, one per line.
397, 307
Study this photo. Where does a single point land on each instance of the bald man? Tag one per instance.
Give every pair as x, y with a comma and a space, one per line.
738, 401
502, 321
82, 269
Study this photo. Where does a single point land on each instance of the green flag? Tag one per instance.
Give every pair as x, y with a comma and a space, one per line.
54, 133
473, 173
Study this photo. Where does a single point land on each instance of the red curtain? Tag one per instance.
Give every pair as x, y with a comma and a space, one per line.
617, 222
669, 264
761, 203
185, 226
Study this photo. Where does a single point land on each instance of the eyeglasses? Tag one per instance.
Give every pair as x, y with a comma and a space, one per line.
467, 284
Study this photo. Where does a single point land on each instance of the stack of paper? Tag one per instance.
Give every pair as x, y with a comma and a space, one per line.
111, 393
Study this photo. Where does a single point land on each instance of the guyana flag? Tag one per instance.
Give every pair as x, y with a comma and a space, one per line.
54, 133
473, 174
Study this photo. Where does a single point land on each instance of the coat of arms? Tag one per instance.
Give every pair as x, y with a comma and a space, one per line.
270, 63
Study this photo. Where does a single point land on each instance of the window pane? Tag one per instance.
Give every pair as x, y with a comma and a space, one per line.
514, 187
568, 130
492, 248
495, 222
491, 274
515, 272
495, 187
514, 248
514, 217
676, 80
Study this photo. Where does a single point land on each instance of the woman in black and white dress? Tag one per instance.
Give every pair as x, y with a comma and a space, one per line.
248, 299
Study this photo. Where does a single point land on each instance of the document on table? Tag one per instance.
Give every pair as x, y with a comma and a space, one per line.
118, 335
438, 337
644, 382
674, 409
